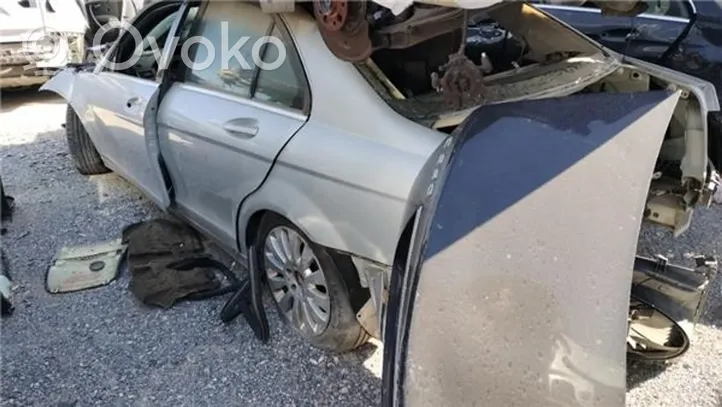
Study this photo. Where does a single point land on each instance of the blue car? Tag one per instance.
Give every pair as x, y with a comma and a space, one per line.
684, 35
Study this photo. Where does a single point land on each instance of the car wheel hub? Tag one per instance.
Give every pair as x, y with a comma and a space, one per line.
296, 280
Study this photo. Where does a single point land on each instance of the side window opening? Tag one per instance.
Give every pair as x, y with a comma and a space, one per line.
279, 80
285, 84
224, 72
153, 30
668, 8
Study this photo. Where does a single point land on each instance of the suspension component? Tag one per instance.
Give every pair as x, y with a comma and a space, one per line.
344, 28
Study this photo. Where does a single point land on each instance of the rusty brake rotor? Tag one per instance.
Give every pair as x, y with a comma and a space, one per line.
344, 28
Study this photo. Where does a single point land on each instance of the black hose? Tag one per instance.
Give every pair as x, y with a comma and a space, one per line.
207, 262
246, 299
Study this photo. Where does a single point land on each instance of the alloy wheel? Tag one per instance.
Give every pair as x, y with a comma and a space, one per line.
296, 280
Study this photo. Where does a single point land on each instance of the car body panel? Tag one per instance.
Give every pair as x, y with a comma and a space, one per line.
122, 118
348, 175
62, 83
516, 289
695, 161
119, 113
652, 36
151, 123
115, 124
66, 83
213, 169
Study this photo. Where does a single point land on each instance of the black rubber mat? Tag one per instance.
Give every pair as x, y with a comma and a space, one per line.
154, 248
167, 262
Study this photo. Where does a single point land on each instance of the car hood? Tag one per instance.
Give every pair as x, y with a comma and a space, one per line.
516, 289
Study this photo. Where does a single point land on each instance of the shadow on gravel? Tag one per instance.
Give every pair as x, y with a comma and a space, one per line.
713, 314
10, 100
638, 373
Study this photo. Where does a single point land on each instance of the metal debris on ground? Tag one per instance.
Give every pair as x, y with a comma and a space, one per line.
6, 287
82, 267
7, 204
718, 196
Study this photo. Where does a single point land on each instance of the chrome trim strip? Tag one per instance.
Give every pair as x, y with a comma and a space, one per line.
598, 11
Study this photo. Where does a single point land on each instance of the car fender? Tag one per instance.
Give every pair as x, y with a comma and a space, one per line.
61, 83
516, 289
69, 84
272, 196
283, 193
66, 83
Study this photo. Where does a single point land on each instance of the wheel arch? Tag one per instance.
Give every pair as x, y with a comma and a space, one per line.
327, 222
254, 222
349, 274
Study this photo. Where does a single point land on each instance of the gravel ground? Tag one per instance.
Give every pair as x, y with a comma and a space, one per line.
101, 347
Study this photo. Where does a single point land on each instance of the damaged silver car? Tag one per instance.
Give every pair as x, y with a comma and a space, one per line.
319, 166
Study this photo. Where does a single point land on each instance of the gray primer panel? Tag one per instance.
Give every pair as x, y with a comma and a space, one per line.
523, 297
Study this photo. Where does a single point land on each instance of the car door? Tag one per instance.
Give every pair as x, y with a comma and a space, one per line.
647, 36
224, 121
112, 100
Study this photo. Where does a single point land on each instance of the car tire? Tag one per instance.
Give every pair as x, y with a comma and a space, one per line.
342, 331
83, 152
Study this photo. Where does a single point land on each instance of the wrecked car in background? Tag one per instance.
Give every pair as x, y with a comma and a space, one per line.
683, 35
318, 168
104, 19
39, 37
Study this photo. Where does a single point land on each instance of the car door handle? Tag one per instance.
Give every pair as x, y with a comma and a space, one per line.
135, 100
245, 127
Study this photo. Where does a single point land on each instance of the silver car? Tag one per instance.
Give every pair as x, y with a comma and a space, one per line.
312, 164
